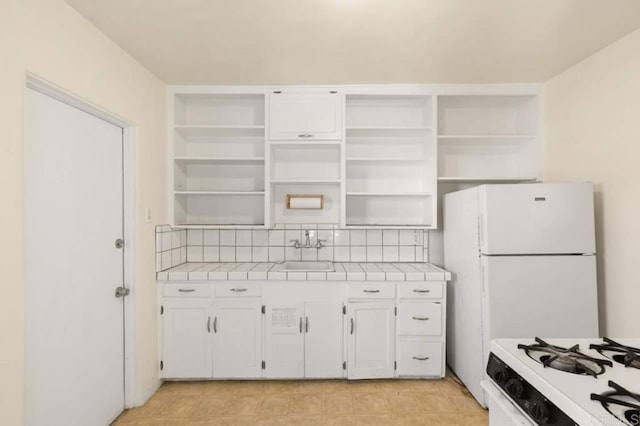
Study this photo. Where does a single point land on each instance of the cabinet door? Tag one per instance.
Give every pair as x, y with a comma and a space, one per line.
237, 339
323, 340
305, 116
186, 339
371, 340
284, 341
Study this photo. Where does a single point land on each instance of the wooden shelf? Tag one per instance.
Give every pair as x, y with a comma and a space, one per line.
390, 128
221, 159
304, 181
306, 142
487, 179
389, 194
363, 159
218, 192
446, 137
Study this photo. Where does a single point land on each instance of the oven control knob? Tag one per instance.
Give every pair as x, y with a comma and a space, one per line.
501, 376
515, 388
539, 411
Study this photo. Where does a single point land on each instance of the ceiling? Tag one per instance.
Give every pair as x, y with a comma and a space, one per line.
360, 41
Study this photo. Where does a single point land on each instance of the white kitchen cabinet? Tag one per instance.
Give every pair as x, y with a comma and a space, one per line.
371, 340
186, 338
304, 340
323, 349
305, 115
237, 339
284, 340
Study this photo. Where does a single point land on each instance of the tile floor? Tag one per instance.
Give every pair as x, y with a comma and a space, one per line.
327, 402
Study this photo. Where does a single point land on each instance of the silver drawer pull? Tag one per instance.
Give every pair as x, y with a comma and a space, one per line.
371, 291
215, 324
186, 290
300, 325
238, 290
305, 135
209, 324
351, 326
421, 318
421, 291
417, 358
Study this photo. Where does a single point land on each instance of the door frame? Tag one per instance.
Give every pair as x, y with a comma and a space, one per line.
129, 136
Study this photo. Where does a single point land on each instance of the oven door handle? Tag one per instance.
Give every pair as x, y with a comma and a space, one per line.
504, 405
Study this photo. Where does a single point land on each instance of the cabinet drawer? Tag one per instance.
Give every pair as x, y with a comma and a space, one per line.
371, 291
238, 289
420, 290
420, 359
419, 319
186, 290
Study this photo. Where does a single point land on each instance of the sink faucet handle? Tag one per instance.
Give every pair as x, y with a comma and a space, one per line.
320, 243
296, 243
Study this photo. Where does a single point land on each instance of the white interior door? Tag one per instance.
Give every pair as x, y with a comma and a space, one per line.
74, 214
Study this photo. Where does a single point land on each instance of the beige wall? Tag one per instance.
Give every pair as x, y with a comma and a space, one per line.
52, 41
592, 115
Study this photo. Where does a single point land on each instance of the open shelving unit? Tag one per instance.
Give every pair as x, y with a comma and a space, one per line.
390, 160
488, 138
218, 167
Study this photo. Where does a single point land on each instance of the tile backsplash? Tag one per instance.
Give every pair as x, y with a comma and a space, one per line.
175, 246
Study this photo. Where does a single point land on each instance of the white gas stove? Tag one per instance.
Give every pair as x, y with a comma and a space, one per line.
555, 382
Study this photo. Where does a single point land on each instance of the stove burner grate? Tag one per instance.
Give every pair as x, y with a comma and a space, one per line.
620, 403
625, 355
570, 360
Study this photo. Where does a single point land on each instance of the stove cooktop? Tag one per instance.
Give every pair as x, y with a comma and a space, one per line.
564, 372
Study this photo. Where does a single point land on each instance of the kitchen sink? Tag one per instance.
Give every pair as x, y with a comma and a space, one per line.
306, 267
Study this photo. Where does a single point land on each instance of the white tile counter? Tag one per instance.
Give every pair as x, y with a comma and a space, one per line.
269, 271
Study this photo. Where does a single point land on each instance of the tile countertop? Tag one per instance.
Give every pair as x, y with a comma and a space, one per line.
269, 271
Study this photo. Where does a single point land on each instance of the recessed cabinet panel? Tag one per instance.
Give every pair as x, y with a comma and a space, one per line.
371, 340
305, 115
284, 341
323, 340
186, 339
237, 339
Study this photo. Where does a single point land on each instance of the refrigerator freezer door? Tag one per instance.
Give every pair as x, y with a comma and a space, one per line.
537, 219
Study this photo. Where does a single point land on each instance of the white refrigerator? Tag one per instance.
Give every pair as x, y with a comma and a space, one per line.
522, 258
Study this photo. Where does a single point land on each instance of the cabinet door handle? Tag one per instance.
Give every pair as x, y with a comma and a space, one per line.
215, 324
300, 325
305, 135
421, 291
186, 290
417, 358
306, 324
421, 318
371, 291
238, 290
351, 325
209, 325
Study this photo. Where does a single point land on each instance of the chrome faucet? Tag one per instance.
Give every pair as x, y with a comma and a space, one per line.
307, 240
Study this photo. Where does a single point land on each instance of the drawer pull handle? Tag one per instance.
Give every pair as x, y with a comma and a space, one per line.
306, 324
421, 291
186, 290
215, 324
209, 325
300, 325
371, 291
238, 290
417, 358
421, 318
351, 325
305, 135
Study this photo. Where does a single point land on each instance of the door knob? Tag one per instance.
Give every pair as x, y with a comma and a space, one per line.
122, 291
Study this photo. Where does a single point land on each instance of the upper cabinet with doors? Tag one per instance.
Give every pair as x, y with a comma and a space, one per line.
305, 114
